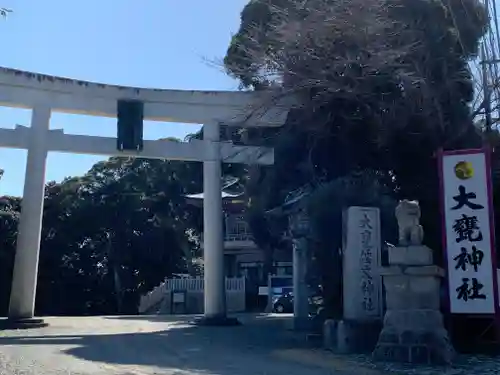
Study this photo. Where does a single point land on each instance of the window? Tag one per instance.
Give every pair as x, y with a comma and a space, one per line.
251, 271
284, 271
237, 228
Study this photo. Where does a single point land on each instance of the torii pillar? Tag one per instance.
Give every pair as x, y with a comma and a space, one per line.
24, 278
213, 236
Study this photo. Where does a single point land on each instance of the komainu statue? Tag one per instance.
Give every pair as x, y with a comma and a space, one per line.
408, 217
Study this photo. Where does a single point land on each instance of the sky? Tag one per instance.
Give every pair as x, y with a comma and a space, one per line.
169, 44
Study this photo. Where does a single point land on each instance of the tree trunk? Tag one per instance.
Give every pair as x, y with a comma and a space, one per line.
115, 267
118, 288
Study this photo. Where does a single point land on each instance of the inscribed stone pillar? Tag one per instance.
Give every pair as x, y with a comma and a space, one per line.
362, 284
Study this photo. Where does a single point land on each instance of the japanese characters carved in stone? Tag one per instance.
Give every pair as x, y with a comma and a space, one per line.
411, 232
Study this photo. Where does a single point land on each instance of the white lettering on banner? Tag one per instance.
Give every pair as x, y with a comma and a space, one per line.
362, 284
467, 229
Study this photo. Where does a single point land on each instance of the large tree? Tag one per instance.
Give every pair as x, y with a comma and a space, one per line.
108, 236
382, 83
381, 86
129, 229
364, 70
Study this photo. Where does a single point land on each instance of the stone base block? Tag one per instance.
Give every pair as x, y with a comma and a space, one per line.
397, 270
407, 337
351, 336
22, 323
412, 288
401, 320
410, 255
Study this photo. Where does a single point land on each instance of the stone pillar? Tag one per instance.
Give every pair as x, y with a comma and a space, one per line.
215, 312
24, 281
300, 288
413, 330
359, 329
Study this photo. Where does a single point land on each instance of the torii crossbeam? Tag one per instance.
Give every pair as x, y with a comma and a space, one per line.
46, 94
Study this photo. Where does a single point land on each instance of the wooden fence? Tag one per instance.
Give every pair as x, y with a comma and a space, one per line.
189, 285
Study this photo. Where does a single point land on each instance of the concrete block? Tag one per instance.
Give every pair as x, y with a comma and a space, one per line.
396, 283
424, 284
405, 292
424, 271
393, 270
410, 255
330, 334
401, 320
416, 347
344, 337
349, 336
414, 336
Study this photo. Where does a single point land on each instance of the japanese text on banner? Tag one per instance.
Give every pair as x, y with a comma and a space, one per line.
468, 242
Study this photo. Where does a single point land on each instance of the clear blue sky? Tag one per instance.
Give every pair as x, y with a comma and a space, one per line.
164, 44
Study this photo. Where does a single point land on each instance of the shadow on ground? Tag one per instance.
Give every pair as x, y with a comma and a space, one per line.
263, 319
241, 350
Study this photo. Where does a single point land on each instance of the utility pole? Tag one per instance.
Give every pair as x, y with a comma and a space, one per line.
488, 59
485, 62
486, 91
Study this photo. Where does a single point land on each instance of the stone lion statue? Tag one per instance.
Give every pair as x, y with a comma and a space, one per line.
408, 217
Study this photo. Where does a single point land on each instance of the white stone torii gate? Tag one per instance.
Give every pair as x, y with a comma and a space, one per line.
45, 94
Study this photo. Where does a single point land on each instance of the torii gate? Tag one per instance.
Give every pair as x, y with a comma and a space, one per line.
45, 94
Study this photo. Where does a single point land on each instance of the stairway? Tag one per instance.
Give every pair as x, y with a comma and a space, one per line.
151, 302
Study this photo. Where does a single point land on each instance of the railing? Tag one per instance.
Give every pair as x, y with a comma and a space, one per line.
233, 237
237, 229
155, 296
238, 237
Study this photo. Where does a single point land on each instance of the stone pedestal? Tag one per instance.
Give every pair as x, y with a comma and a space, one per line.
413, 329
22, 323
346, 337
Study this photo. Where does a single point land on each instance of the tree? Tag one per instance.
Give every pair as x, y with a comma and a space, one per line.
9, 219
381, 85
5, 11
108, 236
120, 230
375, 79
360, 188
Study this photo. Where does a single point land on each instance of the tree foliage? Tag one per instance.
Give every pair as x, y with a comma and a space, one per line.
5, 11
383, 65
108, 236
381, 85
9, 219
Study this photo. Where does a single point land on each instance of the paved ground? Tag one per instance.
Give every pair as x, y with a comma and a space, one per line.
146, 345
154, 345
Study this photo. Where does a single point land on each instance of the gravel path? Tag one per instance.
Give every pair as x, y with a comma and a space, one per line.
464, 365
143, 346
159, 345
